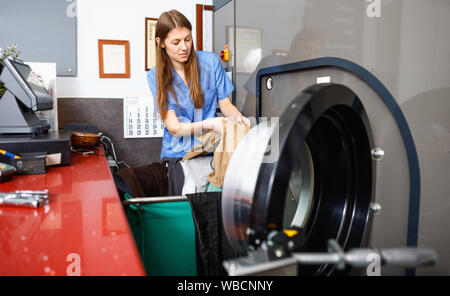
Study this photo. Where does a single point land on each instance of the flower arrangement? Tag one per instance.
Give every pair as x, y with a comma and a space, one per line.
10, 52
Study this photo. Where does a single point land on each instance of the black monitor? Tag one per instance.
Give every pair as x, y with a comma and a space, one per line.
21, 100
16, 78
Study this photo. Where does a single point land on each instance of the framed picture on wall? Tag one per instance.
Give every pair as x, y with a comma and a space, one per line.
150, 50
204, 30
114, 58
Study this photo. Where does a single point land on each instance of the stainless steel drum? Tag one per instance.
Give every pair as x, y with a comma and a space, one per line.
311, 169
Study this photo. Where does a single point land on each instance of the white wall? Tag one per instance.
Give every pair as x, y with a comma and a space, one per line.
117, 20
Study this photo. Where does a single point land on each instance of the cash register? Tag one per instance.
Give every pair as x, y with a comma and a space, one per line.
21, 131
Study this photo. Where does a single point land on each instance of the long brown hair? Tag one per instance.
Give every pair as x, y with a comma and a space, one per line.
164, 75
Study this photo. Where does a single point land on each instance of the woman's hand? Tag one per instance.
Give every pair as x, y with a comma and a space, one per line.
230, 111
243, 119
215, 124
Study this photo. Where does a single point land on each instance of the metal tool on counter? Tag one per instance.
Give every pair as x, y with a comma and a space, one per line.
24, 198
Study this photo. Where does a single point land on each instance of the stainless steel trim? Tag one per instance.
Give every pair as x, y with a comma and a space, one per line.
157, 199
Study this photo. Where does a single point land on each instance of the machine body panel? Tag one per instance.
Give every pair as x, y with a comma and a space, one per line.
404, 44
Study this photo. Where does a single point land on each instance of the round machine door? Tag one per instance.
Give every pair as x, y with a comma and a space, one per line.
311, 170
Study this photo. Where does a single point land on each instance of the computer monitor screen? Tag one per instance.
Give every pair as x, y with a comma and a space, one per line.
23, 69
17, 79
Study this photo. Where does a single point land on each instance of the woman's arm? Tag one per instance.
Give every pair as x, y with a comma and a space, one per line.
229, 110
180, 129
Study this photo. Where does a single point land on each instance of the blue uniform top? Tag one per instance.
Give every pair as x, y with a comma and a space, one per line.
216, 86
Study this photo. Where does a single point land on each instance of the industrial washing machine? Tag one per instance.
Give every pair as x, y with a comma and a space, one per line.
350, 153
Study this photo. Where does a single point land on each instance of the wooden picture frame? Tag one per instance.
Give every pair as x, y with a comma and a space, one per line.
199, 8
150, 49
114, 58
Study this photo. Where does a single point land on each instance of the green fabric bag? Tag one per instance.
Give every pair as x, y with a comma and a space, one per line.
165, 237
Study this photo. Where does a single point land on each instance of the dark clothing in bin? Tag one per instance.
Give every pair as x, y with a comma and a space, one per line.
212, 246
147, 180
175, 175
122, 187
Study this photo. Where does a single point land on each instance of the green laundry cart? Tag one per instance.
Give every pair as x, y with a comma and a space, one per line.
164, 231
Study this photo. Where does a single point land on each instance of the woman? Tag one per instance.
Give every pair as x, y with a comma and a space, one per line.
187, 85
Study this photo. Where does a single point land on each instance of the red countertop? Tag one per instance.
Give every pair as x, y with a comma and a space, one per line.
82, 231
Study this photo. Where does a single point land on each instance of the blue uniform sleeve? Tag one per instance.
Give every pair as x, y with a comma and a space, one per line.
224, 85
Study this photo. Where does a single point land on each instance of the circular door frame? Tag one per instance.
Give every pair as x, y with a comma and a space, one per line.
330, 118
